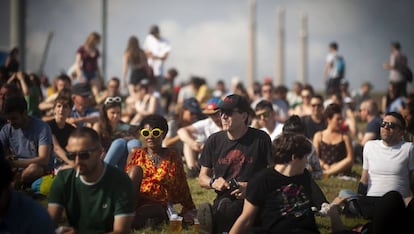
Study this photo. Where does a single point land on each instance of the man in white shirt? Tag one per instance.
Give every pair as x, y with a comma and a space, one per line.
194, 136
266, 119
388, 165
157, 50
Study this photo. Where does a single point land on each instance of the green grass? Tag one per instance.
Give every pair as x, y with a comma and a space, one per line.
330, 187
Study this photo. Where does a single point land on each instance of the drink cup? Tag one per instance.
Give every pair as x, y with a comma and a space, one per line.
196, 225
175, 224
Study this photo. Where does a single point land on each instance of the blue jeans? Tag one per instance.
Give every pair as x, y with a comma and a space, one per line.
118, 151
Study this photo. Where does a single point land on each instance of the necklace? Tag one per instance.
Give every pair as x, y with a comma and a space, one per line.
154, 159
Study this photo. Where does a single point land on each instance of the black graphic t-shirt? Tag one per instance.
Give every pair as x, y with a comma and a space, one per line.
284, 202
239, 159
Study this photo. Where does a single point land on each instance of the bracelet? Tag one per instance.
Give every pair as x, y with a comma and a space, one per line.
211, 182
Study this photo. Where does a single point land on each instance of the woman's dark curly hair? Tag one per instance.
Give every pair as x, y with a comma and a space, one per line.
331, 110
155, 121
288, 144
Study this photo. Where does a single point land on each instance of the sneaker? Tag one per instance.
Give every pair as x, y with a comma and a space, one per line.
205, 218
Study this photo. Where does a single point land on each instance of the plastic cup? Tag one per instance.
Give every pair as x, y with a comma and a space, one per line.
196, 226
175, 224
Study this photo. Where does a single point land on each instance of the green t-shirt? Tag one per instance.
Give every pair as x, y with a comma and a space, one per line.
91, 208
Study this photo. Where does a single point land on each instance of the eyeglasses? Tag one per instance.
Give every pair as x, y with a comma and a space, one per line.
109, 100
228, 112
156, 132
316, 105
389, 125
265, 114
83, 155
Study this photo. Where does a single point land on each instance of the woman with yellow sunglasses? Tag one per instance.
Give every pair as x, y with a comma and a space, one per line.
159, 175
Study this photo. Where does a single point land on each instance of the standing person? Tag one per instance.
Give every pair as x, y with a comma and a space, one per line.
27, 140
19, 213
96, 197
117, 137
315, 121
87, 66
157, 49
333, 146
279, 199
158, 175
229, 159
334, 69
135, 59
396, 61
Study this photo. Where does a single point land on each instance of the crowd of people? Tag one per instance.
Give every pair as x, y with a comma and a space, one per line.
115, 162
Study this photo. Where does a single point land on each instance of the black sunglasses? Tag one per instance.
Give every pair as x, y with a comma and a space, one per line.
229, 112
83, 155
389, 125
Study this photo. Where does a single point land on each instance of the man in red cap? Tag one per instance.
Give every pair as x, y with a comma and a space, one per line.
194, 136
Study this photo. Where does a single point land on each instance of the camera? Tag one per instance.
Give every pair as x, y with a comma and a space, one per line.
233, 185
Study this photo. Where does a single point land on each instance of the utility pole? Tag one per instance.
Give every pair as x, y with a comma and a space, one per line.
251, 67
303, 57
280, 46
17, 29
104, 37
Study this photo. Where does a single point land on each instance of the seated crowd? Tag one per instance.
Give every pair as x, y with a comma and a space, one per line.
114, 162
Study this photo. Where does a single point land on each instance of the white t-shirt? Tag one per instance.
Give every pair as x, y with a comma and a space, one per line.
205, 128
276, 131
388, 167
158, 48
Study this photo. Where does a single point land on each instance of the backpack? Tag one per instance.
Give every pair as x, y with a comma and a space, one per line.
339, 67
403, 68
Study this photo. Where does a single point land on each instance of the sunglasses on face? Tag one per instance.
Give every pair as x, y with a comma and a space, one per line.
228, 112
265, 114
109, 100
82, 155
156, 132
391, 125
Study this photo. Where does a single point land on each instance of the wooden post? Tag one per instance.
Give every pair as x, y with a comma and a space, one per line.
303, 57
251, 67
280, 47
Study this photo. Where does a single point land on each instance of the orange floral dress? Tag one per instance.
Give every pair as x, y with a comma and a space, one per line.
166, 183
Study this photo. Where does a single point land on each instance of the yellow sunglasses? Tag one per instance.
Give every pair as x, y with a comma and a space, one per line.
156, 132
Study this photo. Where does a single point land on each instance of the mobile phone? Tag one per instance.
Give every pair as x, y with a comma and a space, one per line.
233, 185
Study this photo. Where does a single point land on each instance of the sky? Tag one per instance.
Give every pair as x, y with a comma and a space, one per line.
210, 38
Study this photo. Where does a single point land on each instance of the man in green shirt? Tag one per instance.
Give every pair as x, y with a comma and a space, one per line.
97, 197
